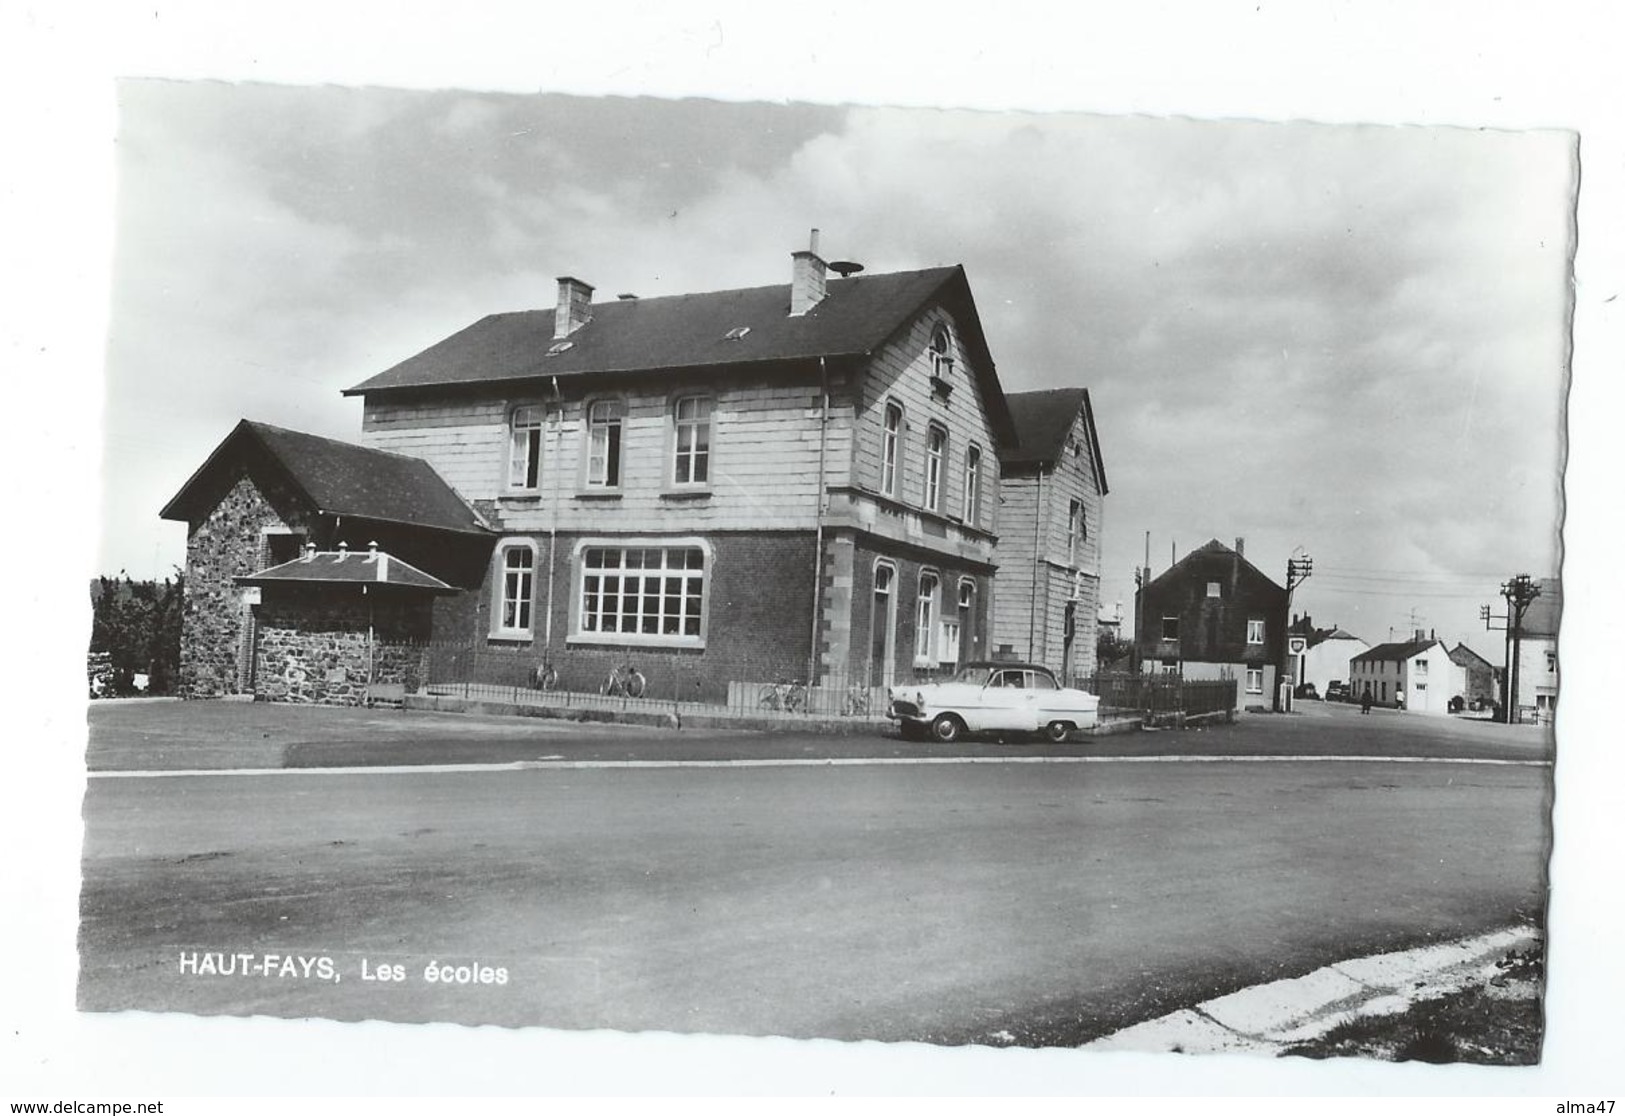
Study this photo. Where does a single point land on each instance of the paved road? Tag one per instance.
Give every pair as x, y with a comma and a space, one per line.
1037, 903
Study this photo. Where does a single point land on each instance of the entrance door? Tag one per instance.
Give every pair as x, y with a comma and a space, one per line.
883, 627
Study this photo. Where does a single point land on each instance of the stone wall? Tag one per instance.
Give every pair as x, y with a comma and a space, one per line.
228, 542
314, 644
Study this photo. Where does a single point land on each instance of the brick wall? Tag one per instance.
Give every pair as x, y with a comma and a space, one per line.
905, 593
325, 645
759, 621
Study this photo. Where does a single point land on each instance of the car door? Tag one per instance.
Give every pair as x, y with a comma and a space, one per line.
1005, 701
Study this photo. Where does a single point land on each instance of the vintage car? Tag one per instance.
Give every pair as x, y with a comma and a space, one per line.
992, 698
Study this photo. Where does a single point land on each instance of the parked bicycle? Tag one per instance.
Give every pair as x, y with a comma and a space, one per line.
545, 676
624, 681
788, 696
857, 702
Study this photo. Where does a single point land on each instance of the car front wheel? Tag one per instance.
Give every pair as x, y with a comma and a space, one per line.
1058, 731
947, 728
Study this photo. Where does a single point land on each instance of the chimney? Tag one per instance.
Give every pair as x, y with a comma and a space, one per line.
1420, 635
575, 307
806, 278
1241, 546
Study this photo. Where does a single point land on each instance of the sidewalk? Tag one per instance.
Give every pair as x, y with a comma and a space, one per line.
508, 701
1271, 1018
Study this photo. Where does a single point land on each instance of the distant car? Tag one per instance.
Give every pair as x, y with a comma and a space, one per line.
993, 697
1307, 692
1336, 690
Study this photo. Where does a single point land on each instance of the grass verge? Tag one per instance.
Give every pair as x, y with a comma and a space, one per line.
1497, 1022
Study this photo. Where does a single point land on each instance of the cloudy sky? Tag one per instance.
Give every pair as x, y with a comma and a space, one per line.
1346, 339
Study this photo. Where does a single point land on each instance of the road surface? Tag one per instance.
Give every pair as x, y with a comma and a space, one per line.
1026, 902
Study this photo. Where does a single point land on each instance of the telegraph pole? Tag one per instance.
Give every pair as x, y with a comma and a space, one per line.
1520, 592
1297, 571
1489, 619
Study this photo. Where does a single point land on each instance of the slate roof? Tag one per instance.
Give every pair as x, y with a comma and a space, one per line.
361, 567
1213, 546
1043, 419
1541, 618
1462, 655
1394, 652
1322, 636
338, 478
856, 317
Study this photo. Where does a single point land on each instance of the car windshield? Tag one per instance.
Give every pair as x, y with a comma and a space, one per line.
972, 675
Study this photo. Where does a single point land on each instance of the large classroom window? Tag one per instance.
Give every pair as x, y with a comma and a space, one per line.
642, 594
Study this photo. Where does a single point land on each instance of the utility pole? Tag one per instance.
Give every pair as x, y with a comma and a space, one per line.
1490, 619
1520, 592
1297, 571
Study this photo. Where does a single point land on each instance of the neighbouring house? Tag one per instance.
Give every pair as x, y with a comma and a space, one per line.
1417, 675
1327, 653
267, 497
1214, 615
1537, 672
792, 481
1479, 677
1050, 496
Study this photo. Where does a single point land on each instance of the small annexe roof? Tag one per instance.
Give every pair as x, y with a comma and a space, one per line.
337, 478
346, 567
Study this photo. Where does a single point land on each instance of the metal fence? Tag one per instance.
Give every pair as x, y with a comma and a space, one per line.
684, 684
1154, 696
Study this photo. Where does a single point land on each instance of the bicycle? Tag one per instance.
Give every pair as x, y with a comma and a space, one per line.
857, 702
788, 696
545, 677
624, 681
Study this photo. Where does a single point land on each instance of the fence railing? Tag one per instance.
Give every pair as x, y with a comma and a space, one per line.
683, 684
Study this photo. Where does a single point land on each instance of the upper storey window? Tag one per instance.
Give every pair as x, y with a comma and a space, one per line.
525, 448
890, 442
605, 419
691, 463
942, 350
973, 486
936, 454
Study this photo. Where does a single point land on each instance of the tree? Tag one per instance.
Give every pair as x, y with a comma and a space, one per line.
1110, 647
136, 624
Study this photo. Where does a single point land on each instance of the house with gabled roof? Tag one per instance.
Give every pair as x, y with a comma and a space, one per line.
1537, 669
1215, 615
1326, 655
1417, 674
791, 481
1478, 677
1051, 499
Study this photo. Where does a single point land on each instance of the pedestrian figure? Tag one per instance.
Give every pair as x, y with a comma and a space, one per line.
1365, 700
